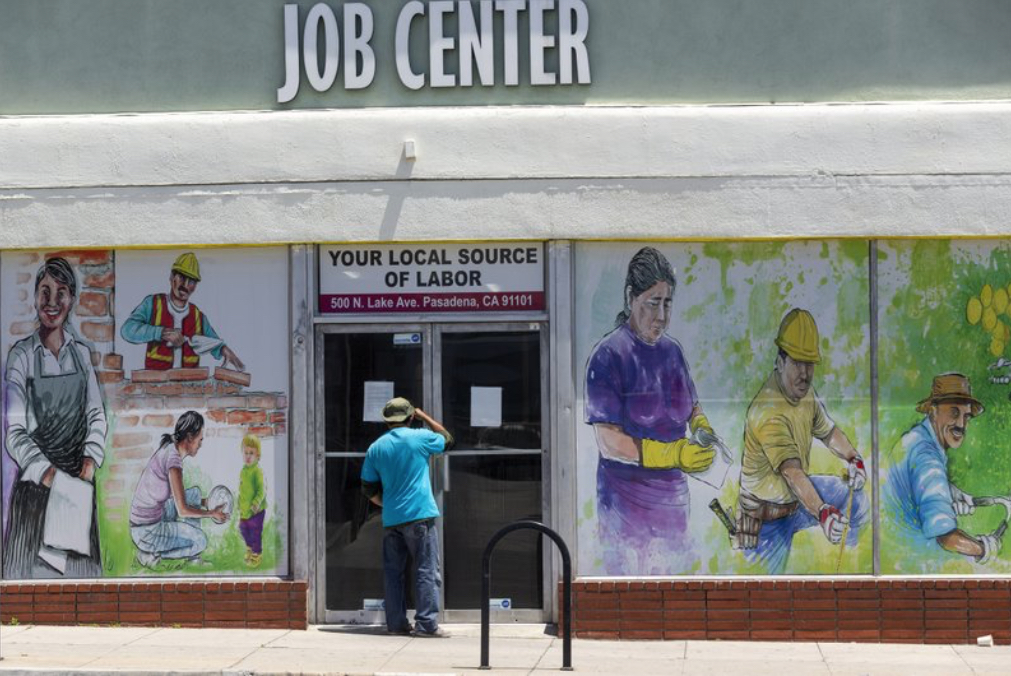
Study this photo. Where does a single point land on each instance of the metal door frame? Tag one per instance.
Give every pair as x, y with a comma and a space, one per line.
525, 615
347, 616
432, 368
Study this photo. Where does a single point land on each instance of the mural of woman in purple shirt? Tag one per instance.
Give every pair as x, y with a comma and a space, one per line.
642, 404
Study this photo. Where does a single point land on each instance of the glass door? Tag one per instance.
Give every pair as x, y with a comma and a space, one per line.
486, 384
362, 367
492, 397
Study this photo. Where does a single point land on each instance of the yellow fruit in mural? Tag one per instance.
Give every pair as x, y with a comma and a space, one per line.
996, 347
986, 295
974, 310
997, 332
1000, 299
989, 319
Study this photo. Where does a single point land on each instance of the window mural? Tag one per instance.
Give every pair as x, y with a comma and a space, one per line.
945, 378
725, 408
137, 441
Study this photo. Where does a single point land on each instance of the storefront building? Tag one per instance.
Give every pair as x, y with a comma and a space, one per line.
688, 283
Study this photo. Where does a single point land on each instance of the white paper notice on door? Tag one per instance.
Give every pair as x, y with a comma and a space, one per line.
377, 393
486, 407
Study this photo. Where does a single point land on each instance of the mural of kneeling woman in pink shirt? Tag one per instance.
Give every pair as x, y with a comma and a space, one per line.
164, 516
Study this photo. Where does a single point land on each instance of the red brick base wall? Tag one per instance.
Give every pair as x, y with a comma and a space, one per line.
264, 605
874, 610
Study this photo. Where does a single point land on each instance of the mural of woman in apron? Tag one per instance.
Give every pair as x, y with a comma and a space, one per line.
641, 402
56, 428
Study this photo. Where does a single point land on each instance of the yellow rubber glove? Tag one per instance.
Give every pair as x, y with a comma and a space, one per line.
700, 421
680, 454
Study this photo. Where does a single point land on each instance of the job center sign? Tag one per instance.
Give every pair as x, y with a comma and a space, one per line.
467, 42
431, 278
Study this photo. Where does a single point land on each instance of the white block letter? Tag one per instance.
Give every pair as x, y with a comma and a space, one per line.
539, 42
474, 49
357, 42
571, 41
439, 44
510, 50
410, 79
291, 65
332, 42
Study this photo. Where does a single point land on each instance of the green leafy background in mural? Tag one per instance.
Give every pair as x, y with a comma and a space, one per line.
729, 301
225, 551
924, 290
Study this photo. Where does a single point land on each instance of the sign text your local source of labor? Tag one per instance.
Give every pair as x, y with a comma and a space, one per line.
423, 259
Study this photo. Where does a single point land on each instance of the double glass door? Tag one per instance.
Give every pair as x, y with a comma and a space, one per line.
486, 383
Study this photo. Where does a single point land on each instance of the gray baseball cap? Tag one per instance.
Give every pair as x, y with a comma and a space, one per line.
397, 410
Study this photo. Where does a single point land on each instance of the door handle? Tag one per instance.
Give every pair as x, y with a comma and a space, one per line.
445, 473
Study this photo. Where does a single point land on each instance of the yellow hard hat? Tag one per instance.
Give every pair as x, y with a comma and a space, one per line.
798, 336
187, 266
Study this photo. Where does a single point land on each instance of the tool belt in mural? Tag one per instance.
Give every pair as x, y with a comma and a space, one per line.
752, 512
159, 355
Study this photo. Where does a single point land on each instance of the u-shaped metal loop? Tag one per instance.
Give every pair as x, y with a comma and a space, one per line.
566, 589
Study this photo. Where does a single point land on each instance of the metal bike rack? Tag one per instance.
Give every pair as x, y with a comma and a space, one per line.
566, 589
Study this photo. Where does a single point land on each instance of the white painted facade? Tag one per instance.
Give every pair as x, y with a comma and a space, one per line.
845, 170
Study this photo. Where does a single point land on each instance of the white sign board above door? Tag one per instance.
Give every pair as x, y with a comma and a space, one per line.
423, 278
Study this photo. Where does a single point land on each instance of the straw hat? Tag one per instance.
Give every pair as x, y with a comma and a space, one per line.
950, 387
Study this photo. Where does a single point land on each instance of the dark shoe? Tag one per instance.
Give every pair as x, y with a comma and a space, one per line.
438, 633
406, 630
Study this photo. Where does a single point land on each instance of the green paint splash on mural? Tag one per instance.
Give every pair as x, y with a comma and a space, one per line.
726, 315
225, 550
926, 287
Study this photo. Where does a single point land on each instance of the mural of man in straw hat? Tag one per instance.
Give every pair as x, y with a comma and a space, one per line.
918, 490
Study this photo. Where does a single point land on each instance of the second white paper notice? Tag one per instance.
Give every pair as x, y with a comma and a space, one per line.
486, 407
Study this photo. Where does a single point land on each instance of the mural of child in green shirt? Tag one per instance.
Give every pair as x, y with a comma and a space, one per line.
252, 499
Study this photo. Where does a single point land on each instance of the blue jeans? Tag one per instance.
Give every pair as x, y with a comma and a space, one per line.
776, 537
172, 537
417, 543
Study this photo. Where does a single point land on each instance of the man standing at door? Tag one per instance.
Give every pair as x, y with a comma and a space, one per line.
396, 477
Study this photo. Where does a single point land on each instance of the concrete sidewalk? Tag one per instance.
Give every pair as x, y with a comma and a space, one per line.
515, 649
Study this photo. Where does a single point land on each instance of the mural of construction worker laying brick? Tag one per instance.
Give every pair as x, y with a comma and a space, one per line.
176, 332
918, 491
778, 497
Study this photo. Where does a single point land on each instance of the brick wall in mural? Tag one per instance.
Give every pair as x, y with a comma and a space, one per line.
145, 413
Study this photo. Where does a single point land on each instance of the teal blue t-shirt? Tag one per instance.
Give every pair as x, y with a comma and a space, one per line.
399, 461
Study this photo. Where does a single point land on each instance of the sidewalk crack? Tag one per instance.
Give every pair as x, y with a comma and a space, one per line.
824, 660
154, 630
972, 669
537, 664
238, 661
276, 638
395, 653
114, 648
111, 650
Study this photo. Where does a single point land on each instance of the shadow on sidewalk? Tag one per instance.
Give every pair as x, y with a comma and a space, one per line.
360, 629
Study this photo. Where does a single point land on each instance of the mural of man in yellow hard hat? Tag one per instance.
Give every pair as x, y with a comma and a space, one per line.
778, 496
175, 330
